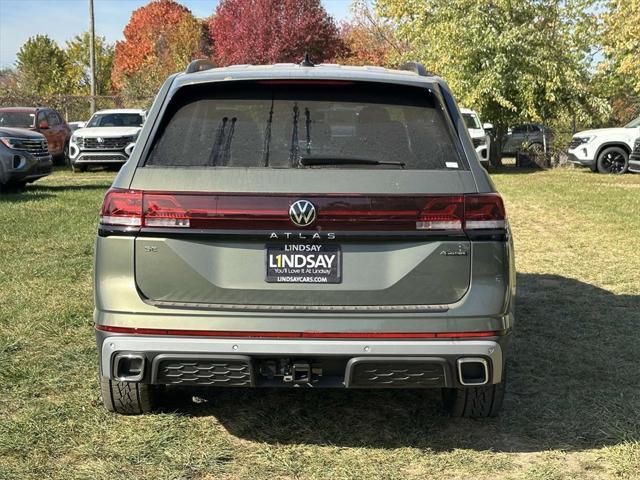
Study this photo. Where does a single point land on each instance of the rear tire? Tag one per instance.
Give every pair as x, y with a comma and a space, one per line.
474, 402
128, 398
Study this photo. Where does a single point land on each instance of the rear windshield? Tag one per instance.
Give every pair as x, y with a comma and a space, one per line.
115, 120
313, 125
17, 119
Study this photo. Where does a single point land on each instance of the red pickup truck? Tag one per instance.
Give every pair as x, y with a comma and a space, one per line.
43, 120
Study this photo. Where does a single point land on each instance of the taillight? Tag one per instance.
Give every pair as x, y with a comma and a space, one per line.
439, 213
164, 211
484, 212
122, 207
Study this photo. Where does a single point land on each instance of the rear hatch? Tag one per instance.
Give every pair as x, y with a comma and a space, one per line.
309, 195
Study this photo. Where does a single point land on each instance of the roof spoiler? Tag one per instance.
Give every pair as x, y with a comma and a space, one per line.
199, 65
416, 67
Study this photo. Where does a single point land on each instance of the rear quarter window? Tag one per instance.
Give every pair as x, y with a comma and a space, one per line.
278, 124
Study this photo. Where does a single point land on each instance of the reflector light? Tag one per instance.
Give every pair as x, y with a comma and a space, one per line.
325, 335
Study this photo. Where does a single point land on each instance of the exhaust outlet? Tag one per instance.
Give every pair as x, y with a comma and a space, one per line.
129, 367
473, 371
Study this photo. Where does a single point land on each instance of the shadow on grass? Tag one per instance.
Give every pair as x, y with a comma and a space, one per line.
573, 384
70, 188
21, 197
43, 192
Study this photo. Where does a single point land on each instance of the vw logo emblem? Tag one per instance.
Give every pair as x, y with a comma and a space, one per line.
302, 213
100, 140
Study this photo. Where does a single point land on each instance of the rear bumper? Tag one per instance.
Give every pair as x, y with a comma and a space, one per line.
361, 363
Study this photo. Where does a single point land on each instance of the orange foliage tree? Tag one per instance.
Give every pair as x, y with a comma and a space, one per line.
160, 39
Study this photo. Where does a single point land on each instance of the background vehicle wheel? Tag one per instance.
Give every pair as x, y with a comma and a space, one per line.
78, 168
65, 155
474, 402
613, 160
128, 398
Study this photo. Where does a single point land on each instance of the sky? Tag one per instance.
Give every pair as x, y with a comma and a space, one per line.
63, 19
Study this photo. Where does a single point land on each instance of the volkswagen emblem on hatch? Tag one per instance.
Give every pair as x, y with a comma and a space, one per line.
302, 213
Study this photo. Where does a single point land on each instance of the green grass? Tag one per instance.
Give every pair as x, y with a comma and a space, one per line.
573, 402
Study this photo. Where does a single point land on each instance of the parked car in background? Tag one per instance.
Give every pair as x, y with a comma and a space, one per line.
42, 120
24, 157
532, 137
478, 133
106, 139
259, 240
76, 125
605, 150
634, 158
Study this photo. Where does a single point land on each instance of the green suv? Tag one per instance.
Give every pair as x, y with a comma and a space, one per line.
304, 226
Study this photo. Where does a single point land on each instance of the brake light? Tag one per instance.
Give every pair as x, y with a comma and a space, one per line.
441, 213
122, 207
484, 212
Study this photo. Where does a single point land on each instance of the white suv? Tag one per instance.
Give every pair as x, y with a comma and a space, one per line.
605, 150
481, 141
106, 139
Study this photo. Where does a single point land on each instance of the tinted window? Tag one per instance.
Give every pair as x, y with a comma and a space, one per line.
519, 129
271, 124
17, 119
471, 120
54, 119
115, 120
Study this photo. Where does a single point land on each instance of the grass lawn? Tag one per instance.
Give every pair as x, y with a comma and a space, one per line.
573, 402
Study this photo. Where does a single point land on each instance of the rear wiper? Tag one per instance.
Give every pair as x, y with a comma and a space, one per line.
315, 160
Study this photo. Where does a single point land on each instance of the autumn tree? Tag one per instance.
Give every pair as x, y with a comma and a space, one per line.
161, 38
512, 61
271, 31
78, 69
369, 39
41, 65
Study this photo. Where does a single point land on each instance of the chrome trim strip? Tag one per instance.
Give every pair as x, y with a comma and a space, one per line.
473, 360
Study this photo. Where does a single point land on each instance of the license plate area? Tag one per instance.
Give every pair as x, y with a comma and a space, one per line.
304, 263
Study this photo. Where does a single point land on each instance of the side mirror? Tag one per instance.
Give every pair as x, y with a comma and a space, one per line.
43, 125
81, 124
488, 126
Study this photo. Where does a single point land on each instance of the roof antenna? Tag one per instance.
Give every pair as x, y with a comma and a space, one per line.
307, 61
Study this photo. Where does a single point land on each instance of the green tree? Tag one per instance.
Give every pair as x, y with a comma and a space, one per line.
78, 68
619, 73
621, 39
512, 61
42, 66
